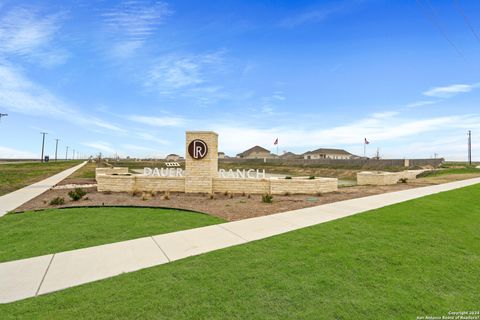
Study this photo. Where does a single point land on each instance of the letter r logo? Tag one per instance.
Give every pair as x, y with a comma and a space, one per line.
197, 149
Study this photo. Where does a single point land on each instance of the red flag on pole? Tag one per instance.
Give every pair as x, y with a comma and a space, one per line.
366, 141
276, 142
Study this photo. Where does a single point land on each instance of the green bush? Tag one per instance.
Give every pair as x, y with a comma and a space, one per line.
311, 177
77, 194
288, 177
267, 198
57, 201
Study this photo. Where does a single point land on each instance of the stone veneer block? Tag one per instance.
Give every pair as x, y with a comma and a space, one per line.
199, 173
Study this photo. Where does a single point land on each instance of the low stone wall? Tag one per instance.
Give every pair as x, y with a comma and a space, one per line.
381, 178
120, 183
174, 184
233, 185
303, 186
114, 170
130, 183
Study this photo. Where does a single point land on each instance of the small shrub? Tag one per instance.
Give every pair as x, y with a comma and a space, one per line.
57, 201
319, 194
107, 192
166, 196
311, 177
286, 194
249, 196
403, 180
288, 177
153, 194
212, 196
225, 193
243, 194
86, 198
77, 194
231, 196
267, 198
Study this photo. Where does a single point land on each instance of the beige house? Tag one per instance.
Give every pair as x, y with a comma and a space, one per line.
256, 152
221, 155
323, 153
173, 157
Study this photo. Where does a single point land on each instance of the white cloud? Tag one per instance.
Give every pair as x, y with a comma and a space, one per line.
100, 146
19, 94
421, 103
24, 33
9, 153
166, 121
312, 16
451, 90
172, 73
377, 128
132, 23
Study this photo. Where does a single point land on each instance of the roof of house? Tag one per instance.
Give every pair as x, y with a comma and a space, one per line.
328, 151
257, 149
173, 155
288, 154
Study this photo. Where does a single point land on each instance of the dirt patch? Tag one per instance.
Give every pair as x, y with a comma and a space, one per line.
228, 207
78, 181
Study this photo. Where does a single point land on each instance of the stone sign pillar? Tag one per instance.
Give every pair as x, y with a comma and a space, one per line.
201, 161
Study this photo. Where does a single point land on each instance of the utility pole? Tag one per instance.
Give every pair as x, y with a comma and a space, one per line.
469, 147
73, 156
56, 148
66, 154
43, 143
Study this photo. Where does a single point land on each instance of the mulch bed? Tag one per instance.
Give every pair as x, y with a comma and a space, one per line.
228, 207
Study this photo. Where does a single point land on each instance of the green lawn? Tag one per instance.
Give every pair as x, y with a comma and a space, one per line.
14, 176
442, 172
36, 233
416, 258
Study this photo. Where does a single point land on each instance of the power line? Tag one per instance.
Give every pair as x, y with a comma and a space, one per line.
460, 10
433, 17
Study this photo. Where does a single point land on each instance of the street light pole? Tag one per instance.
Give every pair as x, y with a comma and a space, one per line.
56, 148
73, 156
43, 143
66, 154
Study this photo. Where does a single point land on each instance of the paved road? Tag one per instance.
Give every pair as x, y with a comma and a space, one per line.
26, 278
16, 198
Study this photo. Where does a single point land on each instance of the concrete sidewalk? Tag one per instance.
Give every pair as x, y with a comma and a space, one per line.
39, 275
16, 198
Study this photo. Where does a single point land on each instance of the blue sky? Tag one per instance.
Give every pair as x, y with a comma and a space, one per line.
131, 77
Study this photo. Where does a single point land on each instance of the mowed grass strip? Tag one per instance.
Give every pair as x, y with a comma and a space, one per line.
416, 258
14, 176
32, 234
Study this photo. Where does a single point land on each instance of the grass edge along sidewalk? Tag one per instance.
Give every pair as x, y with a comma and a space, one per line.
14, 176
31, 234
18, 197
396, 262
252, 229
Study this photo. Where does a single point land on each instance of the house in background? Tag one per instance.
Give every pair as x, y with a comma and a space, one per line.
221, 155
290, 155
173, 157
256, 152
324, 153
